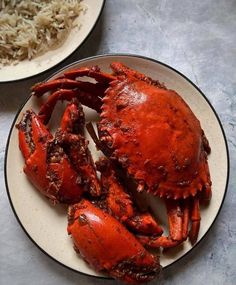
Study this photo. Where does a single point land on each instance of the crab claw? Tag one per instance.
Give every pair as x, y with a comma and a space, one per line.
108, 246
49, 163
33, 137
73, 119
76, 148
71, 138
64, 182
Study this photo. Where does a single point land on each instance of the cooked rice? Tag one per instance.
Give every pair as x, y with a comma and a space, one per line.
29, 28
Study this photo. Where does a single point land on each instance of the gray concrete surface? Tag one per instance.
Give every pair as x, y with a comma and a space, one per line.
198, 38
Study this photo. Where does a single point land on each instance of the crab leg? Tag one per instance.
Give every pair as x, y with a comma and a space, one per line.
50, 164
195, 219
120, 69
118, 202
68, 81
70, 142
175, 219
88, 99
185, 209
26, 143
76, 146
73, 119
204, 198
157, 242
178, 220
93, 72
206, 194
32, 134
41, 88
69, 156
144, 224
120, 205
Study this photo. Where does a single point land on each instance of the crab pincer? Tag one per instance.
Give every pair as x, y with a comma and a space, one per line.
108, 246
48, 159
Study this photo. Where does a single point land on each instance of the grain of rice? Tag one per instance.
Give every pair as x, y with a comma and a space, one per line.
30, 28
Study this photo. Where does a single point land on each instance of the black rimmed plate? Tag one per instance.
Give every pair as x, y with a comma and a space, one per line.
46, 225
39, 64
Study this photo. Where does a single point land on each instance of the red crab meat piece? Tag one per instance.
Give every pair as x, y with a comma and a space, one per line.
95, 232
76, 147
63, 183
32, 137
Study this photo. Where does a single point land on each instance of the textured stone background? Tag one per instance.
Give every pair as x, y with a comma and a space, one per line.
198, 38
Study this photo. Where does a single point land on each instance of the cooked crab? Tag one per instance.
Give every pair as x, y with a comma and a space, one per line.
152, 133
147, 131
60, 167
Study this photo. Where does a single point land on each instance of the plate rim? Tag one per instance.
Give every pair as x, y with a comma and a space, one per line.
139, 57
64, 59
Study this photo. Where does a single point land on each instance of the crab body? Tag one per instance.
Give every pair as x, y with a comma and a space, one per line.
156, 137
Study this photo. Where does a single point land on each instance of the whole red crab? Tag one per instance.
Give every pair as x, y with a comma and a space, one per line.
152, 134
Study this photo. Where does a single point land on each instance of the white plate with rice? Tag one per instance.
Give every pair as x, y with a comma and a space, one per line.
36, 35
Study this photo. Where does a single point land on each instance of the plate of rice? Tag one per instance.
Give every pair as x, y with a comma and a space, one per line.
37, 35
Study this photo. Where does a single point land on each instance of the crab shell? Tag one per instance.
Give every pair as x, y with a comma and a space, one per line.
108, 246
59, 166
156, 137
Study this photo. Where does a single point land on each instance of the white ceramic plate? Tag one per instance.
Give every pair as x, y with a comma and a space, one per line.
28, 68
46, 225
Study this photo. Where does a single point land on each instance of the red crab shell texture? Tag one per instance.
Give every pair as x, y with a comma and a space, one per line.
154, 134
